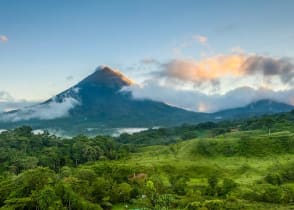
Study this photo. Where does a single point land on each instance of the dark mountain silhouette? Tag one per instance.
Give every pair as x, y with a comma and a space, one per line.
98, 103
101, 103
257, 108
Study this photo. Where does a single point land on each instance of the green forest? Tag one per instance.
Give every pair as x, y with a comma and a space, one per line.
243, 164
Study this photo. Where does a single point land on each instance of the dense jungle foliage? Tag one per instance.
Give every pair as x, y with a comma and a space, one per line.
246, 164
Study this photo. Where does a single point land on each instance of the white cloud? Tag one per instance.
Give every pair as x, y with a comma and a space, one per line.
3, 38
46, 111
200, 39
198, 101
7, 106
222, 73
8, 103
5, 96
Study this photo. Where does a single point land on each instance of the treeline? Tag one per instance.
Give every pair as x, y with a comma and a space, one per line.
42, 171
95, 188
275, 187
101, 186
246, 145
267, 123
20, 149
172, 135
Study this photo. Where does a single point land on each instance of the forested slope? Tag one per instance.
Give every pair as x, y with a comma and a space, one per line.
230, 165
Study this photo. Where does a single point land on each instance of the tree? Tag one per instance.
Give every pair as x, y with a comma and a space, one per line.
124, 190
228, 186
212, 185
46, 198
101, 189
25, 131
86, 174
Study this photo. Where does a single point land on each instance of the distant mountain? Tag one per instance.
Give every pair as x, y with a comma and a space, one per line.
261, 107
97, 104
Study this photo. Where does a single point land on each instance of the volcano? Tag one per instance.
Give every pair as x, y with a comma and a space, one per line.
98, 101
103, 102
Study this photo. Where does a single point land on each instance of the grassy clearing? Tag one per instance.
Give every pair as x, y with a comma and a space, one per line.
217, 170
181, 159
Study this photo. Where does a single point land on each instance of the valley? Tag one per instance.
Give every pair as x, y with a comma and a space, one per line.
98, 104
226, 165
146, 105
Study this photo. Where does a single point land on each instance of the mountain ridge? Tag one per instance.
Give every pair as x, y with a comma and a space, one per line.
97, 101
255, 108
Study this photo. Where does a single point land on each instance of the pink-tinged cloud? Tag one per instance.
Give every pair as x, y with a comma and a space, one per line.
234, 65
207, 69
3, 38
200, 39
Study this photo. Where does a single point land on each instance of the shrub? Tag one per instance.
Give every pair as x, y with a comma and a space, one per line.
214, 204
196, 205
228, 186
274, 178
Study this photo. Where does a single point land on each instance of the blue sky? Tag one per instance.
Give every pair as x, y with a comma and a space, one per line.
48, 46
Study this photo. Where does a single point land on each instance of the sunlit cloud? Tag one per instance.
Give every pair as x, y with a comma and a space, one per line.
3, 38
219, 82
237, 50
207, 69
200, 39
188, 43
234, 66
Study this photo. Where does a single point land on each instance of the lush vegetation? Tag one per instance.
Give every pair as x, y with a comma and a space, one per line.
229, 165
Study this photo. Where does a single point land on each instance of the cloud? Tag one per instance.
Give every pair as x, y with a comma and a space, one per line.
268, 67
5, 96
3, 38
7, 106
237, 50
150, 61
44, 111
188, 43
205, 70
200, 39
69, 78
56, 107
235, 66
201, 102
219, 82
13, 110
8, 103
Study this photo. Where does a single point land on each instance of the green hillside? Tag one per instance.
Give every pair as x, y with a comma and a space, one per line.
248, 165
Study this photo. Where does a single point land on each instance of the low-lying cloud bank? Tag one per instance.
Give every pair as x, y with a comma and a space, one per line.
8, 103
5, 96
7, 106
219, 82
201, 102
12, 110
46, 111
